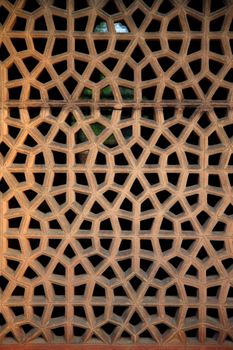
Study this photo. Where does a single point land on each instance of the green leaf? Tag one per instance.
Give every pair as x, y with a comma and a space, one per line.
110, 141
80, 137
126, 93
86, 94
106, 93
97, 128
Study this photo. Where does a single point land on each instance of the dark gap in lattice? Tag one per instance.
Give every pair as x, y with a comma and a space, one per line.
111, 8
4, 149
121, 45
221, 112
60, 67
20, 24
149, 2
30, 63
34, 94
96, 208
168, 94
189, 94
145, 265
3, 14
221, 94
125, 224
12, 264
17, 310
154, 26
172, 291
40, 24
215, 66
146, 224
215, 45
216, 24
106, 225
146, 205
151, 292
177, 129
137, 54
214, 180
179, 76
124, 265
101, 45
60, 23
230, 177
54, 94
146, 132
127, 73
126, 205
60, 46
174, 25
110, 63
20, 158
125, 114
80, 23
194, 46
30, 194
44, 76
165, 63
58, 290
62, 4
135, 320
204, 121
59, 331
80, 291
4, 53
138, 17
173, 178
148, 93
194, 23
18, 291
165, 7
81, 4
13, 203
154, 45
205, 85
98, 291
26, 328
127, 3
212, 334
54, 242
172, 311
217, 6
166, 225
39, 158
31, 6
173, 159
231, 40
229, 130
70, 216
19, 44
135, 282
195, 66
196, 5
15, 93
175, 45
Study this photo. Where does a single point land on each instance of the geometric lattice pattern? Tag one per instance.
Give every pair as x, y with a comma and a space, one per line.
116, 171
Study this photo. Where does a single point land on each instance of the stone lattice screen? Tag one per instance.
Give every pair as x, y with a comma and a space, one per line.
116, 171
